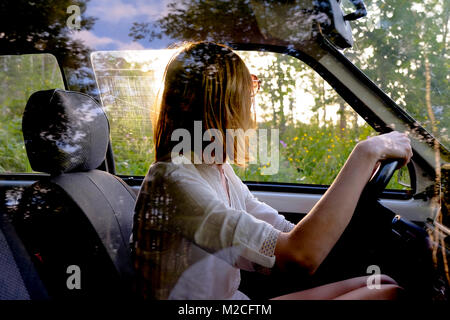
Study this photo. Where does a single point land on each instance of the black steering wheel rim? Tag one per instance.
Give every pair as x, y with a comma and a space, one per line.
381, 178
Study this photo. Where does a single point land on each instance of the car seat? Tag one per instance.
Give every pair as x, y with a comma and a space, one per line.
75, 223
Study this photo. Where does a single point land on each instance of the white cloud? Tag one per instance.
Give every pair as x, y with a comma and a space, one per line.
132, 45
93, 41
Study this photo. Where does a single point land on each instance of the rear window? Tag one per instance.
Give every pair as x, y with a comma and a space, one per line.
20, 76
128, 82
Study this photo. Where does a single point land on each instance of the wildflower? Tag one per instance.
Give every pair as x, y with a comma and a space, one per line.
290, 159
332, 146
329, 157
296, 138
283, 143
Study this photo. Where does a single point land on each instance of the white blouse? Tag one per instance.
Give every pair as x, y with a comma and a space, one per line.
191, 240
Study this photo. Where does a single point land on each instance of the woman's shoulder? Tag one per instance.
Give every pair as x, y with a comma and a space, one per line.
180, 178
172, 169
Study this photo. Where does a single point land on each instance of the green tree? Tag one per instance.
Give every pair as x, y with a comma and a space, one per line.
40, 26
392, 46
193, 20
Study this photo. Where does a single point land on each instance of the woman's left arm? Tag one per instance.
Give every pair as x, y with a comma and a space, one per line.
259, 209
263, 211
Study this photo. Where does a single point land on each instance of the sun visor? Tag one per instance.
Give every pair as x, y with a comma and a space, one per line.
300, 21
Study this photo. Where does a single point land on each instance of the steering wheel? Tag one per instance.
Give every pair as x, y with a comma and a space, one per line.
381, 178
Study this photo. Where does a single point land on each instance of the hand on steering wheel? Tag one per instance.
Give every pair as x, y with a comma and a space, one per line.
392, 145
394, 151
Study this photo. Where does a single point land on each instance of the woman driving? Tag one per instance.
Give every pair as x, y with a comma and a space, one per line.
197, 224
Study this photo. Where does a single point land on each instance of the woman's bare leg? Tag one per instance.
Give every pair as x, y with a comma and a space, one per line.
385, 292
340, 290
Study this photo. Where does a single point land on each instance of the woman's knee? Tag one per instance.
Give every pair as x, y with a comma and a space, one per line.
364, 281
385, 279
383, 292
391, 292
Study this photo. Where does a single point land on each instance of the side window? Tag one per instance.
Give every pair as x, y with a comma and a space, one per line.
317, 129
20, 76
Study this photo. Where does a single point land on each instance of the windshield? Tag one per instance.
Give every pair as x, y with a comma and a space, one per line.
402, 46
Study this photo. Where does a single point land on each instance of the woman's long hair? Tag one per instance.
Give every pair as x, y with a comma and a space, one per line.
204, 82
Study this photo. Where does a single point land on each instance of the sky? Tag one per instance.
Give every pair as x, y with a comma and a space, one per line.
114, 20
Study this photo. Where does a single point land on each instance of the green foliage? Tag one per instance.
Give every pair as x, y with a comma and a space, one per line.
133, 153
392, 46
20, 76
310, 154
12, 149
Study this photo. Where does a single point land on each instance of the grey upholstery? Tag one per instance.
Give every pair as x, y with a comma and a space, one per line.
108, 203
12, 286
18, 277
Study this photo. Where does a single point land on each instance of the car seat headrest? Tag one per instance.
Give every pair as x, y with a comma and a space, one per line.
64, 131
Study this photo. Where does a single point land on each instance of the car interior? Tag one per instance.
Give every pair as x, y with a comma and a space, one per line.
71, 206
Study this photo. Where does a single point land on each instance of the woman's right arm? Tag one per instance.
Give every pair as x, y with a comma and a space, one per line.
315, 235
